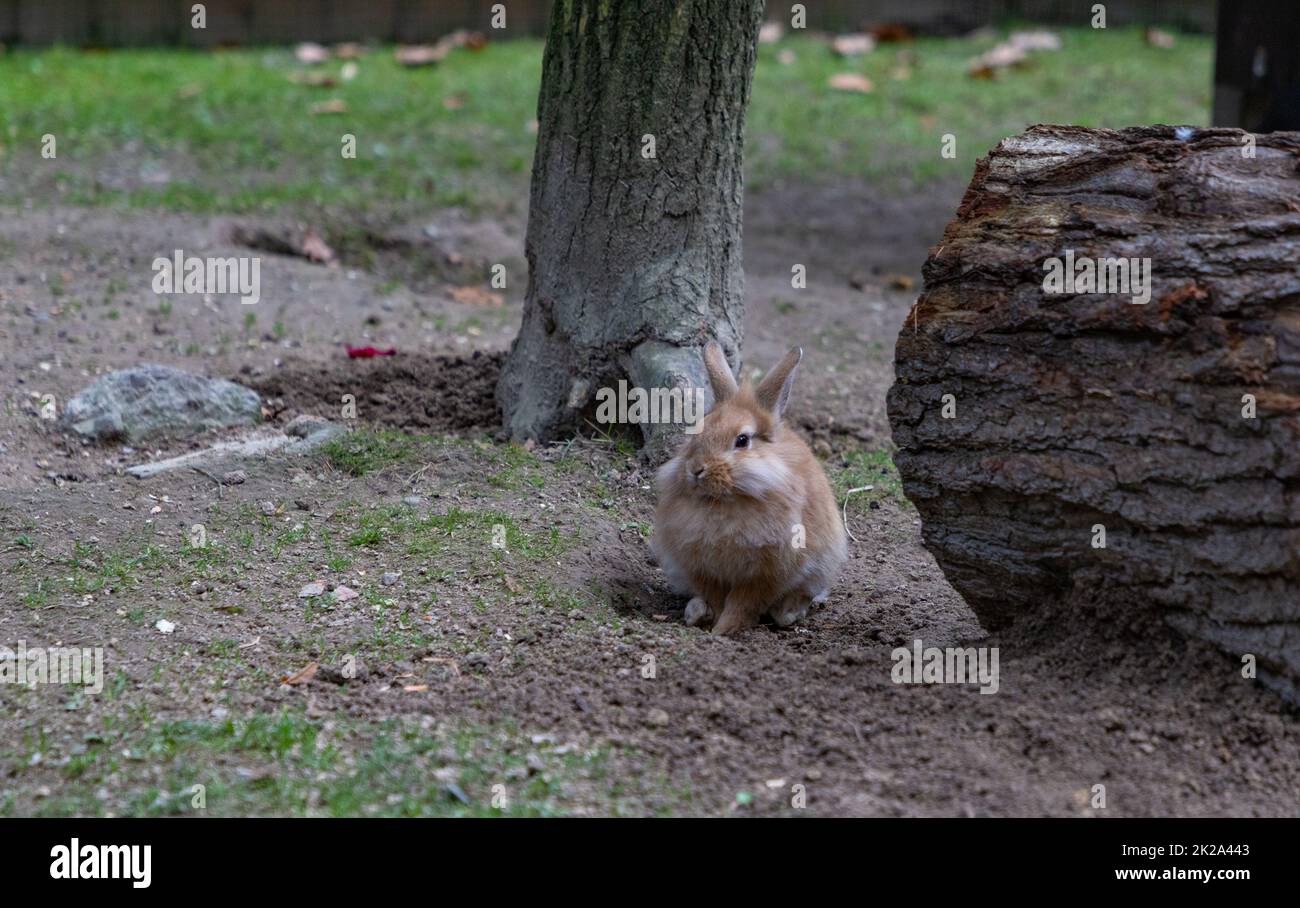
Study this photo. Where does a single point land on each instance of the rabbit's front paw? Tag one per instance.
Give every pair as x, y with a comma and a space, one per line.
697, 612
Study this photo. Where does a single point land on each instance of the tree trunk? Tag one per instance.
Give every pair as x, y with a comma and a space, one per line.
1085, 410
634, 260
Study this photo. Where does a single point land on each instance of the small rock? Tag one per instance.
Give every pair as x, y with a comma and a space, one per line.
476, 660
344, 594
165, 626
151, 400
235, 477
390, 578
656, 718
315, 588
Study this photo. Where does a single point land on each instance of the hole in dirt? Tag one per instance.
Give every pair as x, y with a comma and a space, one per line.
411, 392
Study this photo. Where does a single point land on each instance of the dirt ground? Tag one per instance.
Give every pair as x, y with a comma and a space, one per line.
523, 669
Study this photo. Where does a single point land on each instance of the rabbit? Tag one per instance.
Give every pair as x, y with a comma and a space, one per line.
746, 522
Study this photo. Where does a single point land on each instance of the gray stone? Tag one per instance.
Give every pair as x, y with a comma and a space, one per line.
150, 400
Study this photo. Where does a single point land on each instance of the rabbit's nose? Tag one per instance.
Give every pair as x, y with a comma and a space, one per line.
698, 473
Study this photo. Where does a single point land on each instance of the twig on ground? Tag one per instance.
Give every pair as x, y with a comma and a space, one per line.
845, 511
221, 486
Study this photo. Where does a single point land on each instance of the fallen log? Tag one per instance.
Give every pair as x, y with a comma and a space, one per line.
1068, 433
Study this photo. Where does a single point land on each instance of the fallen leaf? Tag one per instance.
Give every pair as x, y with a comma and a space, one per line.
315, 248
476, 296
888, 32
189, 91
311, 54
786, 57
349, 51
853, 45
1159, 38
455, 102
415, 688
349, 71
851, 82
332, 106
314, 78
304, 675
422, 54
770, 32
1035, 40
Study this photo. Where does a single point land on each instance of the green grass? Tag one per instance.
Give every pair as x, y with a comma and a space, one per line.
369, 450
868, 468
230, 132
457, 530
286, 764
1100, 77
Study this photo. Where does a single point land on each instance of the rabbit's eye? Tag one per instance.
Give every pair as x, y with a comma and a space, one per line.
742, 440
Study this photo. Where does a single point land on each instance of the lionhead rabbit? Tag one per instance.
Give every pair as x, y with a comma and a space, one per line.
746, 523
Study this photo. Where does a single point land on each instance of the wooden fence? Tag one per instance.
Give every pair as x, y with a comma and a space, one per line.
135, 22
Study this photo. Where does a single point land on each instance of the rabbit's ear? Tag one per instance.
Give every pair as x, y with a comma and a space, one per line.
773, 392
720, 377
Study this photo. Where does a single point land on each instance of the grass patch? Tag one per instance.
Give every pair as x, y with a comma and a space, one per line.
369, 450
869, 468
456, 531
276, 764
227, 131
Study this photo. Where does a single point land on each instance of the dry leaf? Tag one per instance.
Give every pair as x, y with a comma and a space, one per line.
415, 688
303, 676
887, 32
332, 106
315, 78
786, 57
315, 248
851, 82
421, 54
853, 45
349, 51
770, 32
1035, 40
189, 91
1160, 38
310, 53
455, 102
476, 296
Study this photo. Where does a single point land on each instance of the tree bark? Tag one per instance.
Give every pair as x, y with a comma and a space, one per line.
1074, 411
634, 261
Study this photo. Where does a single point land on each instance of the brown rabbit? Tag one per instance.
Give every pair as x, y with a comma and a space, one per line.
747, 523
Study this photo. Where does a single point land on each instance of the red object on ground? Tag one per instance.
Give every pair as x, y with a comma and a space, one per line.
367, 352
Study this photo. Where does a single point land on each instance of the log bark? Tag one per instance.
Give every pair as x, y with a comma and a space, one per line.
1080, 410
634, 260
